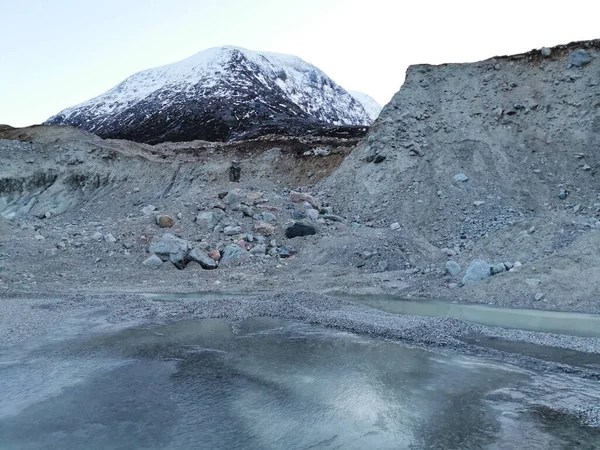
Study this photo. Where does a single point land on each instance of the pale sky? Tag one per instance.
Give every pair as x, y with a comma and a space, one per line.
59, 53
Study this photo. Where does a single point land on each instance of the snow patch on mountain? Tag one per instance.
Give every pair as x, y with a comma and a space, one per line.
372, 108
210, 72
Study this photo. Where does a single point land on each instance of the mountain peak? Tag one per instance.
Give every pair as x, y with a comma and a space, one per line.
218, 94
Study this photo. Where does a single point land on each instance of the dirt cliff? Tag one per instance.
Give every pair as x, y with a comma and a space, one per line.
497, 159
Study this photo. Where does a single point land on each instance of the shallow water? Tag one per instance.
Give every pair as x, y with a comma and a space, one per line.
574, 324
267, 384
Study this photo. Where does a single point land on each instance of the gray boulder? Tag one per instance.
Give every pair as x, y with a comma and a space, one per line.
205, 261
169, 248
579, 58
233, 197
233, 252
208, 220
453, 268
478, 270
153, 262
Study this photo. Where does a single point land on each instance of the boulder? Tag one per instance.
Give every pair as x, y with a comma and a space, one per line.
478, 270
178, 259
300, 197
233, 252
168, 245
233, 197
208, 220
300, 229
165, 221
453, 268
579, 58
205, 261
153, 262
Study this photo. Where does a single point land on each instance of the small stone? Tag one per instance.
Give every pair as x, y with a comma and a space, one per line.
579, 58
312, 214
333, 217
153, 262
232, 230
299, 197
147, 210
545, 51
395, 226
539, 296
109, 238
259, 249
285, 252
382, 266
205, 261
453, 268
517, 264
533, 282
97, 236
268, 217
587, 167
563, 194
215, 254
165, 221
264, 228
576, 208
39, 237
478, 202
497, 268
508, 265
461, 177
246, 211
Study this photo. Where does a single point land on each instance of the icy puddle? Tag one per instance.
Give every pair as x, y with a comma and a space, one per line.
272, 384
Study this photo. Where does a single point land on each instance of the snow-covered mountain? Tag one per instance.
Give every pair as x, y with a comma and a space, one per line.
372, 108
219, 94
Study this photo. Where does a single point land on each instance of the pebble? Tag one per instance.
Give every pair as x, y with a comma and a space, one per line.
461, 177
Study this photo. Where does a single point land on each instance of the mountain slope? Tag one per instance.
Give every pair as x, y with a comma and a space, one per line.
372, 108
219, 94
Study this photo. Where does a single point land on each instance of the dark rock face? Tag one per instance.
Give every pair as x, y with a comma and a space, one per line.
300, 229
220, 95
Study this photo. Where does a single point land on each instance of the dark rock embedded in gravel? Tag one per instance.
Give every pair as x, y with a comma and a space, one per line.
300, 229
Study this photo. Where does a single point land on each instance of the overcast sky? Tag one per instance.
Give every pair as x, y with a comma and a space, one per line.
59, 53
